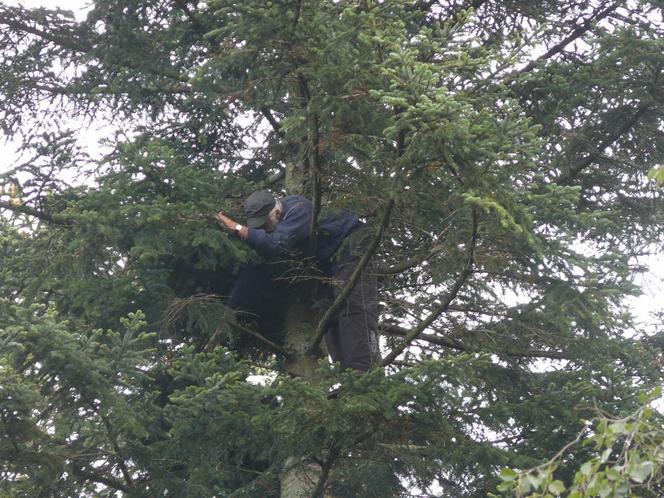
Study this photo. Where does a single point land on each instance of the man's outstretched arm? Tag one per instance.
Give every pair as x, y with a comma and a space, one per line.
289, 234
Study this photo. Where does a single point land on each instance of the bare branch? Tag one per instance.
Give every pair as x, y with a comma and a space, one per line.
25, 209
444, 305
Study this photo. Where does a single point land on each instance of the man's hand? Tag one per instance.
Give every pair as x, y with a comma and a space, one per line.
225, 221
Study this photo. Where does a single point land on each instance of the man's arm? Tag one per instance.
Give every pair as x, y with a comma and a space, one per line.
290, 234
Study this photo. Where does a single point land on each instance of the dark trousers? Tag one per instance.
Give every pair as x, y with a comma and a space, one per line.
258, 300
251, 281
352, 338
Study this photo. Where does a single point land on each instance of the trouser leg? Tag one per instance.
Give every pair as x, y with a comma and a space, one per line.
257, 302
357, 320
246, 292
357, 324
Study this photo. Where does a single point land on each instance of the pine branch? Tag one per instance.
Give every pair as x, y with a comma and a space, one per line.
456, 13
442, 308
567, 178
574, 35
89, 476
25, 209
11, 173
298, 13
314, 175
275, 178
195, 20
326, 467
411, 262
260, 337
276, 126
212, 342
67, 41
397, 331
311, 147
120, 459
53, 90
71, 42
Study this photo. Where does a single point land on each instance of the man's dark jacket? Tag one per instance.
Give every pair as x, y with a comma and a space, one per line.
291, 235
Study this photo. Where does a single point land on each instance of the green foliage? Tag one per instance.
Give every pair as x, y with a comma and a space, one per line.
625, 460
657, 174
516, 139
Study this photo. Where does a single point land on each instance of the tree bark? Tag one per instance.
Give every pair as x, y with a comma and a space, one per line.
300, 477
300, 322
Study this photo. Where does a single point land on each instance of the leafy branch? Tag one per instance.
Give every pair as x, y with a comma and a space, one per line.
628, 460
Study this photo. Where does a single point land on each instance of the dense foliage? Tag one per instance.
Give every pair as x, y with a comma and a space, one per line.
625, 460
501, 151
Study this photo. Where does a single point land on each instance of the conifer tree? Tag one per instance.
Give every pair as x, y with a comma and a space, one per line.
500, 151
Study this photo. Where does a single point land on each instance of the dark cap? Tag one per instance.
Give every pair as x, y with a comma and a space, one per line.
257, 207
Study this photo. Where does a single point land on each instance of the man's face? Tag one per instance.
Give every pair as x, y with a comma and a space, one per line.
272, 221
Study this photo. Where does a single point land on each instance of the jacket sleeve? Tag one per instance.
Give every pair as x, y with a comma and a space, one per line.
289, 235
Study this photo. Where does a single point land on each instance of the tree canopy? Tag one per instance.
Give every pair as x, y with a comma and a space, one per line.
501, 151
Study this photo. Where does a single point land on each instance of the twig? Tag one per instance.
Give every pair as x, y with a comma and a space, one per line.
246, 330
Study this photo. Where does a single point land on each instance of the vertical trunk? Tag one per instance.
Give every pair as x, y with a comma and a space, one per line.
300, 477
300, 322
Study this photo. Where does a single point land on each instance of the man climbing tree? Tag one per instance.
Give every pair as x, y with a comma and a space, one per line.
280, 228
499, 153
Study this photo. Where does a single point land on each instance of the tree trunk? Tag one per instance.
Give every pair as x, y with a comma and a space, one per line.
300, 477
300, 322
